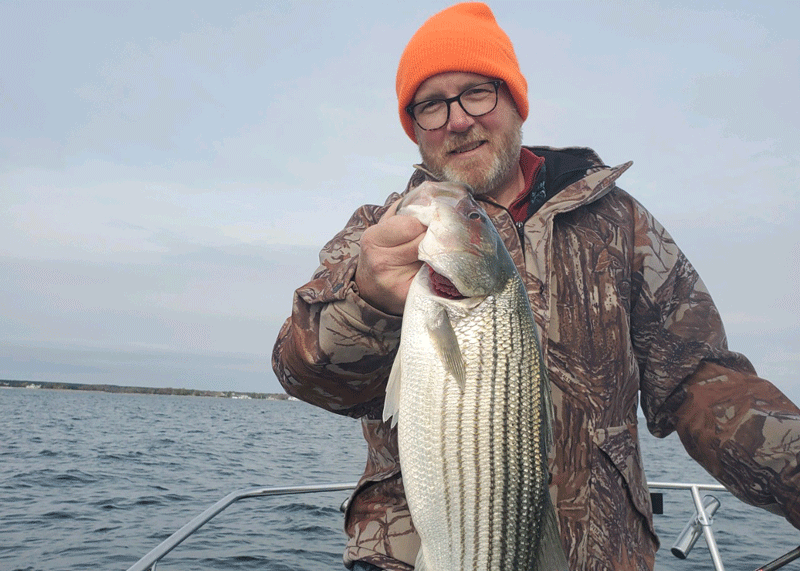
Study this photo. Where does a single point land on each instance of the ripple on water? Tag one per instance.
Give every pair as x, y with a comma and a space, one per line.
135, 468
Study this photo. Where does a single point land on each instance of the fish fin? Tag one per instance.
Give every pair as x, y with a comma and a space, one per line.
547, 392
419, 564
550, 555
549, 414
391, 405
446, 343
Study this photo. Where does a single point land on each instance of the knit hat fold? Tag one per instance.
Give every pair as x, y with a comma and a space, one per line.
464, 37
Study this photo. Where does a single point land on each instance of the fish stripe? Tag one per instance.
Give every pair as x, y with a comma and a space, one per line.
520, 438
506, 442
527, 375
516, 499
464, 556
463, 430
492, 441
448, 490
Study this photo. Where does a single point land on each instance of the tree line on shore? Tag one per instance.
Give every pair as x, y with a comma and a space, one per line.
138, 390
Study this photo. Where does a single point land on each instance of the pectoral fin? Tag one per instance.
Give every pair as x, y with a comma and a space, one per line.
391, 406
446, 343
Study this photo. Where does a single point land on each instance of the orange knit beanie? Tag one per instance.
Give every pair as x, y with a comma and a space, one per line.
464, 37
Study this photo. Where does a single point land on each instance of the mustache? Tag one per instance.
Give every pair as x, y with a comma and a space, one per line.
459, 140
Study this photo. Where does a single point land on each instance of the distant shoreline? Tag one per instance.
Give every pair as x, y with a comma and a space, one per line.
139, 390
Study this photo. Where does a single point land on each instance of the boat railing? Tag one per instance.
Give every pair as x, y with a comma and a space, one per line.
699, 524
149, 561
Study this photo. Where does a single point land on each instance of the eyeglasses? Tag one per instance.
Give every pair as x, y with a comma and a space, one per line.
475, 101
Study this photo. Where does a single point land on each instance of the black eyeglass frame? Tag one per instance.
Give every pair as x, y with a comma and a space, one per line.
495, 82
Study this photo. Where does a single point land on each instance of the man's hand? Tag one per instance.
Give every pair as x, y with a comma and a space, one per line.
388, 261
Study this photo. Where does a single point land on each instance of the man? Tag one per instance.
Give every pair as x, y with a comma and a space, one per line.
621, 313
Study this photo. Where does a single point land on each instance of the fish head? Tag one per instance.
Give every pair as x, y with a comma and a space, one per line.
461, 246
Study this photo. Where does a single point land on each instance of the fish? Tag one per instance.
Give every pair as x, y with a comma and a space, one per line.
469, 394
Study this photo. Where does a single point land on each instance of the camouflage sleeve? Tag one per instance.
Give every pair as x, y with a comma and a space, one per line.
674, 323
746, 433
335, 350
739, 427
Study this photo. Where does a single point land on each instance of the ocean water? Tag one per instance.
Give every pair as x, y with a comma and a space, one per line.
94, 480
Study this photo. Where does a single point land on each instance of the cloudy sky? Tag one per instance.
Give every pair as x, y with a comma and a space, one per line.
169, 170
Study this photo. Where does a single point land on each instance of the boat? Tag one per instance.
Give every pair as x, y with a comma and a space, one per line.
698, 525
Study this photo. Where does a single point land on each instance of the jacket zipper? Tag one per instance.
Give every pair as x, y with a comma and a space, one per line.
520, 232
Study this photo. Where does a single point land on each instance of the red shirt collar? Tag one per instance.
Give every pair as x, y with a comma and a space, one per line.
530, 164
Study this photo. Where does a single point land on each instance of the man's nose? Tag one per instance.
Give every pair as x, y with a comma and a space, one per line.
459, 120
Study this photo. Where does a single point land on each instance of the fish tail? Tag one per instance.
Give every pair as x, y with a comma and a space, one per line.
419, 564
550, 554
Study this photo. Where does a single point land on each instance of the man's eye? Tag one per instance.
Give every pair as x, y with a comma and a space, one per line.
477, 93
429, 106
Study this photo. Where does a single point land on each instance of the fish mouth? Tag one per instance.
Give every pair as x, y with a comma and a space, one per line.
442, 286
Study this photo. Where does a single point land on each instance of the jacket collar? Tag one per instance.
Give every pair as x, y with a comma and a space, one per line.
576, 176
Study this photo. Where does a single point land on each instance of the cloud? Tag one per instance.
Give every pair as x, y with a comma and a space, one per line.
167, 182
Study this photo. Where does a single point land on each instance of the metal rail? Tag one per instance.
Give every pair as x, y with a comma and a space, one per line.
701, 523
150, 560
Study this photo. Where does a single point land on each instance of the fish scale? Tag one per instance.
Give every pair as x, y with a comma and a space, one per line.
473, 441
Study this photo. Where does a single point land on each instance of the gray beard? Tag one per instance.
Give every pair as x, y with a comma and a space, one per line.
502, 170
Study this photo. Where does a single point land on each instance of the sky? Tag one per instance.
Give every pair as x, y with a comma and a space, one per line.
170, 170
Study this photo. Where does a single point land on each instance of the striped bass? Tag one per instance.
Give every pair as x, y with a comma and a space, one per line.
470, 397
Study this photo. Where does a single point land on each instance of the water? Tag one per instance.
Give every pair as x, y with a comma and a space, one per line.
96, 480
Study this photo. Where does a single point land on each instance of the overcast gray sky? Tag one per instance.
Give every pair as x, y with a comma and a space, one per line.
169, 170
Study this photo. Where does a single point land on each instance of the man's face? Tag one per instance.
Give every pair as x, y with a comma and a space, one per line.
482, 152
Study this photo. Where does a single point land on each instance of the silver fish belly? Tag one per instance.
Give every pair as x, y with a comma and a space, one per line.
470, 396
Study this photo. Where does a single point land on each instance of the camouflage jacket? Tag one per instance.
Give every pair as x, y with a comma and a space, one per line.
622, 316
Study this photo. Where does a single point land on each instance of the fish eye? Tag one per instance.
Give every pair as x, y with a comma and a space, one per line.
474, 215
